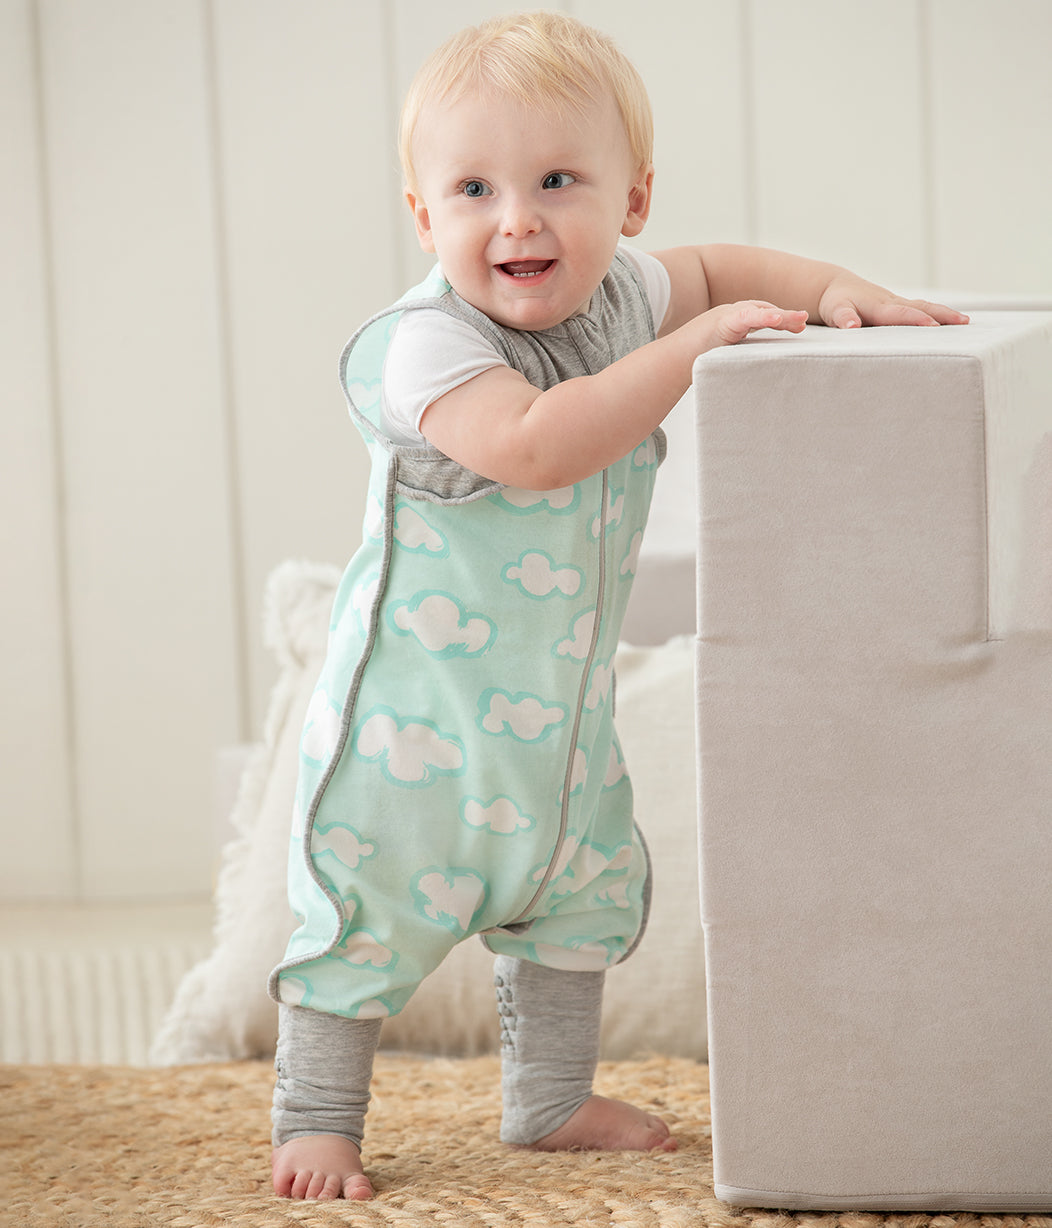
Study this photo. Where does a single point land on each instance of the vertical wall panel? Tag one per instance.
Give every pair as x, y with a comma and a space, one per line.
690, 58
309, 196
992, 119
839, 132
36, 820
144, 435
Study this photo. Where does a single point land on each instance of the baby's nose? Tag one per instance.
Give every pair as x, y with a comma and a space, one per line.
520, 217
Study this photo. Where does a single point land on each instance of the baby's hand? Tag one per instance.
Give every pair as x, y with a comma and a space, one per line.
733, 322
850, 302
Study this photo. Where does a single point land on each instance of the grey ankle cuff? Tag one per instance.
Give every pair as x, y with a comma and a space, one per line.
549, 1045
324, 1065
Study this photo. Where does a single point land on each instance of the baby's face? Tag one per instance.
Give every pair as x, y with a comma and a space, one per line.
524, 207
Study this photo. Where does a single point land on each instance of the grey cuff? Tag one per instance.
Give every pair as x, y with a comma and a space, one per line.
549, 1045
324, 1065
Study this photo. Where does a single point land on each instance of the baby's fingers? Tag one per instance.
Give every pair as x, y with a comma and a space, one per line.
940, 313
898, 311
844, 315
891, 311
744, 318
916, 312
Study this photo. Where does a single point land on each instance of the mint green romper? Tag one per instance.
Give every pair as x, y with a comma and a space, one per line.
460, 772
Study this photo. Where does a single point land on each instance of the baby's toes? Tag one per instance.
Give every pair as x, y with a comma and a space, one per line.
330, 1186
308, 1183
357, 1187
660, 1137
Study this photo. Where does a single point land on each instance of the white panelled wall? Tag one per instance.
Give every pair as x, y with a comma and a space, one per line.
200, 201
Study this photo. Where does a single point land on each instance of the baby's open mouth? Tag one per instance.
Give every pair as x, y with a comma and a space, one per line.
526, 268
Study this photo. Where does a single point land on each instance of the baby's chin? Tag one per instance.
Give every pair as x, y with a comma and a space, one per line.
528, 304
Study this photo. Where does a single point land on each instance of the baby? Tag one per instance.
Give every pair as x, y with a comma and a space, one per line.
460, 772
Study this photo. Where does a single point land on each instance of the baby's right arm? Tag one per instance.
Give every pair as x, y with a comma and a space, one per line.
504, 428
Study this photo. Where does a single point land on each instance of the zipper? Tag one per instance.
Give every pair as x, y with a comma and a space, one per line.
520, 920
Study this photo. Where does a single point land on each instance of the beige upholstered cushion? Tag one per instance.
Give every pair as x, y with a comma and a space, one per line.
875, 705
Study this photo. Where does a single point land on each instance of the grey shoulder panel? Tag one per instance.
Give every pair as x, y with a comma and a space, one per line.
421, 472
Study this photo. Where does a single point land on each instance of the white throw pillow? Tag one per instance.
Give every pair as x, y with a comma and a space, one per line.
655, 1002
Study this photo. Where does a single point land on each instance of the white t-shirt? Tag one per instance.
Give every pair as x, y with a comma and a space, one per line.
432, 353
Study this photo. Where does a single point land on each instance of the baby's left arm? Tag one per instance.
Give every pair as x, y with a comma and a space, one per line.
706, 276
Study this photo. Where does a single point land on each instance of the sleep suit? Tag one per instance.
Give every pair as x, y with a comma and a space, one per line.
460, 773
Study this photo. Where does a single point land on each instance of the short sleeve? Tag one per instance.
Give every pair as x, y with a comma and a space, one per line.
430, 354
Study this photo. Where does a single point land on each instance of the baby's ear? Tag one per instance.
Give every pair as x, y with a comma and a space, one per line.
640, 195
422, 220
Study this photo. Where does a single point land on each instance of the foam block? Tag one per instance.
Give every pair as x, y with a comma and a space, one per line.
875, 750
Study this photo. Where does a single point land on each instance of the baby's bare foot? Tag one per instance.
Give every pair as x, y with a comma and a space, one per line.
320, 1166
608, 1125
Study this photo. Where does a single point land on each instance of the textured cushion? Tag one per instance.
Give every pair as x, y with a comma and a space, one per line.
875, 706
654, 1003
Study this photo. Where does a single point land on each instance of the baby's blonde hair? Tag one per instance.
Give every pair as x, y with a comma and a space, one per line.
535, 58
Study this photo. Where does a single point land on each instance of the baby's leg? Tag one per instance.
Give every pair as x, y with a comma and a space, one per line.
549, 1051
324, 1065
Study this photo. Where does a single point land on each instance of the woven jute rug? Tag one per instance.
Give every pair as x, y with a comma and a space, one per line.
188, 1148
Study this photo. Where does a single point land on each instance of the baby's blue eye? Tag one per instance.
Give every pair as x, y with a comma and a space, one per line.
558, 179
475, 188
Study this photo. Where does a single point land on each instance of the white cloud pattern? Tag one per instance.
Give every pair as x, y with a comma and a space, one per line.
590, 861
579, 640
412, 532
362, 598
411, 752
360, 947
450, 898
538, 575
599, 684
321, 728
579, 771
345, 844
533, 500
616, 771
295, 990
525, 717
442, 625
374, 1008
630, 563
501, 815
